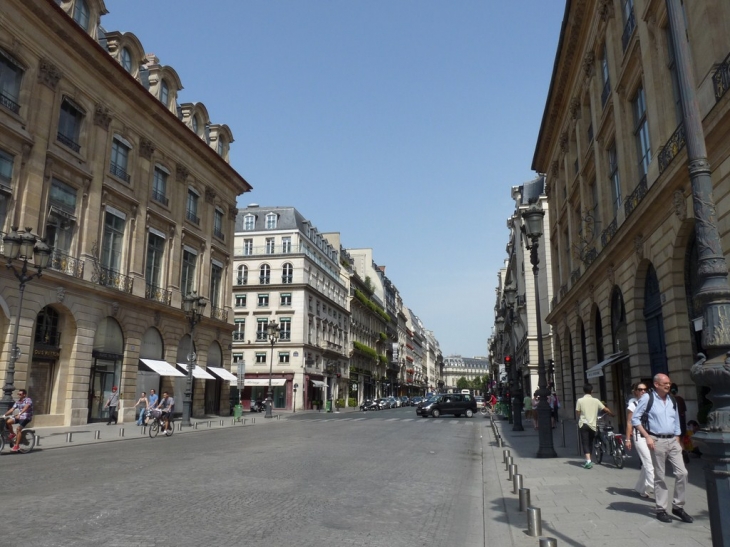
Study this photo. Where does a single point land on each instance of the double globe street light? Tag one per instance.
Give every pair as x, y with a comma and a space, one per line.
273, 332
193, 305
25, 246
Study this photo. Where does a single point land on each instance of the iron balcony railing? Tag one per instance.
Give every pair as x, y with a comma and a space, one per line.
609, 232
261, 337
635, 197
241, 281
8, 103
265, 279
68, 141
219, 234
238, 336
160, 197
68, 265
589, 255
119, 172
721, 79
286, 279
114, 280
629, 28
285, 336
190, 215
158, 294
673, 147
574, 276
218, 313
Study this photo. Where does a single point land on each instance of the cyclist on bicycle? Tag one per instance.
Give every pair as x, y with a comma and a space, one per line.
166, 406
23, 410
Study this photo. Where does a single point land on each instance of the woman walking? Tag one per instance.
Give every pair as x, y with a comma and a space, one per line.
645, 484
142, 403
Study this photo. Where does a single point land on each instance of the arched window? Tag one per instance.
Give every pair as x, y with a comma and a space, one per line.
265, 275
164, 93
195, 125
287, 273
81, 14
242, 277
126, 59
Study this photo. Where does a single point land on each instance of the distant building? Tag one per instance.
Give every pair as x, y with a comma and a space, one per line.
456, 366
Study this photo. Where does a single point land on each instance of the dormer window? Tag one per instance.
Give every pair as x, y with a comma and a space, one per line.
270, 221
164, 93
249, 222
126, 60
81, 14
195, 125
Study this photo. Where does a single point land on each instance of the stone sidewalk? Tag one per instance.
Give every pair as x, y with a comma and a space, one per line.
596, 507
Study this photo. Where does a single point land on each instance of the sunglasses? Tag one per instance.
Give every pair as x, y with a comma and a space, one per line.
640, 389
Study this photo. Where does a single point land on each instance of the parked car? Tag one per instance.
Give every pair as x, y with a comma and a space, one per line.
369, 404
415, 400
405, 401
392, 402
383, 403
450, 403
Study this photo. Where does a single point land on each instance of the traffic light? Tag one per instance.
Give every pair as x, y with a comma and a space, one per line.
507, 359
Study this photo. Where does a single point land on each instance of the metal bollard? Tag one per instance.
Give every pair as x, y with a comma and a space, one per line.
524, 499
562, 426
507, 463
179, 426
195, 425
97, 434
221, 422
37, 440
499, 442
69, 437
505, 454
253, 420
144, 429
233, 421
512, 471
210, 423
516, 483
548, 542
534, 522
244, 421
121, 432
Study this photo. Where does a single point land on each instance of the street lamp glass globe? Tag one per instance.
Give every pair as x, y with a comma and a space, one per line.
533, 221
41, 254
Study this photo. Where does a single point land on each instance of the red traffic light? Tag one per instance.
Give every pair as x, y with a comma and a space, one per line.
507, 359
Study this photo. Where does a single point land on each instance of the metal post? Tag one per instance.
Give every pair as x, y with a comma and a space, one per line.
516, 483
69, 437
548, 542
508, 463
273, 333
97, 434
121, 432
512, 471
524, 499
505, 455
534, 522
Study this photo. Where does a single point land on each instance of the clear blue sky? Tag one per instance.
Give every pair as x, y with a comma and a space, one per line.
401, 124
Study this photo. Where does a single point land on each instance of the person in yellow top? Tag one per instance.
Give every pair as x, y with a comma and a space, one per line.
586, 411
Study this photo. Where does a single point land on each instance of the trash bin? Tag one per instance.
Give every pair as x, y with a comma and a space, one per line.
237, 411
329, 406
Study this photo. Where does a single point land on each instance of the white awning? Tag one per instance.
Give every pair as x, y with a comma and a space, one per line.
198, 372
596, 371
223, 374
163, 368
317, 383
257, 382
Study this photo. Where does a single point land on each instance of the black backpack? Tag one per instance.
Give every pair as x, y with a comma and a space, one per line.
645, 415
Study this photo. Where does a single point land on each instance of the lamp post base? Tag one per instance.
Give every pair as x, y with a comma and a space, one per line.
268, 408
545, 430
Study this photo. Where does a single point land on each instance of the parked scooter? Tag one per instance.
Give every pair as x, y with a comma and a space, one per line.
258, 406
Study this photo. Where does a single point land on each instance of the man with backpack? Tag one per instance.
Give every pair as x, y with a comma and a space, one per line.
657, 419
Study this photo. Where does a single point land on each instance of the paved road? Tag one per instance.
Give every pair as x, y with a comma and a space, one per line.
368, 479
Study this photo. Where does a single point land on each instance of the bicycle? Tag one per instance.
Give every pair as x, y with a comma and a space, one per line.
486, 409
27, 438
609, 442
156, 423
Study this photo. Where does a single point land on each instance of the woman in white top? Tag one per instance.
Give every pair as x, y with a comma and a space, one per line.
142, 403
645, 484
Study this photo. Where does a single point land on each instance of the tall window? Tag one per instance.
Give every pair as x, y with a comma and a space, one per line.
263, 300
269, 245
164, 93
242, 277
112, 242
216, 275
283, 357
218, 224
11, 75
265, 274
605, 76
155, 252
126, 60
119, 159
286, 244
285, 331
192, 207
195, 125
81, 14
287, 273
241, 300
261, 357
6, 178
270, 221
61, 220
261, 330
249, 221
240, 330
248, 247
641, 132
159, 186
69, 125
614, 178
187, 279
285, 299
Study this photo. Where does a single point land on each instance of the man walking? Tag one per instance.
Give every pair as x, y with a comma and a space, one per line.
586, 410
112, 404
660, 427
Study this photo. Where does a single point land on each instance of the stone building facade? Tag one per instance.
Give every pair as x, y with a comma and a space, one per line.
134, 194
622, 233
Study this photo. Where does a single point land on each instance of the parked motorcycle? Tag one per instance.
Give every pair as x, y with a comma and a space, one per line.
369, 405
258, 406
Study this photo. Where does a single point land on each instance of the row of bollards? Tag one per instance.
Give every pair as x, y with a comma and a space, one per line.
534, 519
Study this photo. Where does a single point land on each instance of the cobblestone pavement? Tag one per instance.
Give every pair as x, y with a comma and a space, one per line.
368, 479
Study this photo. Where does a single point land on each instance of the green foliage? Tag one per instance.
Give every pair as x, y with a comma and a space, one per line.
352, 402
340, 403
371, 305
383, 359
383, 336
362, 348
462, 383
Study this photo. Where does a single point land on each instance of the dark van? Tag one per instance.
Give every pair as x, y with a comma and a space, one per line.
450, 403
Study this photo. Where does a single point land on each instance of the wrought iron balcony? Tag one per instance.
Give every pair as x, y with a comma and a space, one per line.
589, 255
553, 302
219, 234
609, 232
8, 103
63, 263
218, 313
241, 281
574, 276
635, 197
238, 336
286, 279
114, 280
563, 290
629, 28
670, 150
158, 294
160, 197
265, 280
190, 215
261, 337
68, 142
286, 336
721, 79
119, 172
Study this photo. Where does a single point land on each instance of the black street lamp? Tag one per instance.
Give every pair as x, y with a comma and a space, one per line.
273, 331
193, 306
533, 230
510, 294
24, 247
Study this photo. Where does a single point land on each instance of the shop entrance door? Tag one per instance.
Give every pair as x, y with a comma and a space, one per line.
103, 378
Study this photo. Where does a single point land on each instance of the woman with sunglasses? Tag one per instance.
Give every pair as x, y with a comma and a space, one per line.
645, 484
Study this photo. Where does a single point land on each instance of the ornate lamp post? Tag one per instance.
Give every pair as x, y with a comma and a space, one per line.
273, 331
193, 305
510, 294
25, 246
533, 230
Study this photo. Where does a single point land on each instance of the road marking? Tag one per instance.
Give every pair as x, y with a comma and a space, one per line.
393, 420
